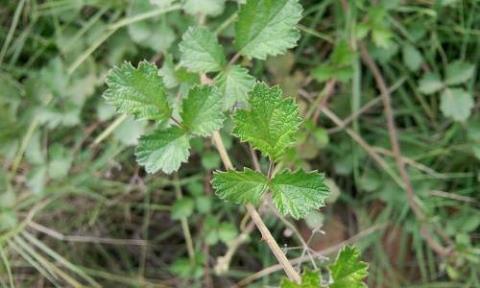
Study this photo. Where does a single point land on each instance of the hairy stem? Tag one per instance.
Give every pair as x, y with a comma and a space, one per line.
266, 235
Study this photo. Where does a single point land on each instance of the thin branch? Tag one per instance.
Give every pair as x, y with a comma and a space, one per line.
266, 235
321, 100
414, 206
360, 141
269, 270
185, 228
84, 239
223, 262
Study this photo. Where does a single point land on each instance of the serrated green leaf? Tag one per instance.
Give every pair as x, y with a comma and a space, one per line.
204, 7
240, 187
138, 91
267, 27
458, 72
456, 103
271, 123
234, 84
310, 279
200, 51
348, 271
163, 150
430, 83
202, 110
298, 193
412, 58
173, 76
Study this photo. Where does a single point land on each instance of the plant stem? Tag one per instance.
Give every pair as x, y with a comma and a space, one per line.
112, 28
110, 129
266, 235
184, 222
397, 153
176, 121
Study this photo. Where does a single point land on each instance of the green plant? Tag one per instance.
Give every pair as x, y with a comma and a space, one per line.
455, 101
346, 272
269, 123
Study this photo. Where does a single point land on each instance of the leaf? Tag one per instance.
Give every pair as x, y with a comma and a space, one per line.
473, 130
60, 161
234, 84
204, 7
298, 193
240, 187
267, 27
430, 83
382, 37
310, 279
210, 160
412, 58
162, 3
227, 232
348, 271
163, 150
182, 208
154, 33
324, 72
458, 72
138, 91
202, 110
129, 131
203, 204
342, 54
272, 122
168, 73
200, 51
36, 179
8, 220
456, 103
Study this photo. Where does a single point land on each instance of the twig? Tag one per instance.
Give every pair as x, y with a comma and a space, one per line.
185, 228
266, 235
357, 138
84, 239
372, 103
417, 210
114, 125
321, 100
223, 262
299, 260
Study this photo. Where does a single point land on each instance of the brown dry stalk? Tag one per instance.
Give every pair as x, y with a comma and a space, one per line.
397, 154
327, 251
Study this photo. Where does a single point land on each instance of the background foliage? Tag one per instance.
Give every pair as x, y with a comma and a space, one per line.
76, 208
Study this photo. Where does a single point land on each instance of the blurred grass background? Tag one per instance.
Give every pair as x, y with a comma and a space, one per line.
77, 211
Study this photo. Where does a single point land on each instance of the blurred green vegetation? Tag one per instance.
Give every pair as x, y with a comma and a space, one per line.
76, 209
